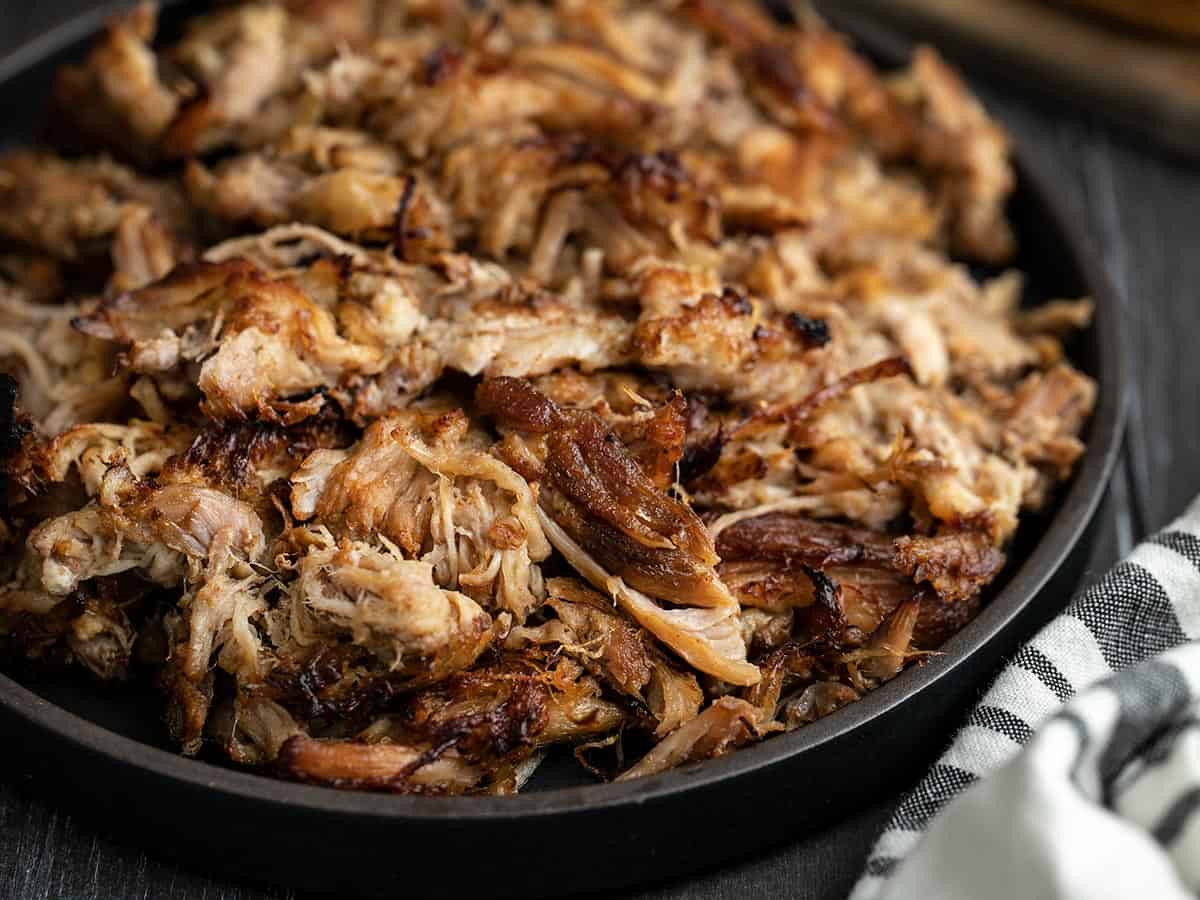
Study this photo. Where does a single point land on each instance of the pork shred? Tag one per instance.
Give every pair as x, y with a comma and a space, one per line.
410, 395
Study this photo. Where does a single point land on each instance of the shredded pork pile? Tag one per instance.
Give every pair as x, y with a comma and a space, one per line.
408, 387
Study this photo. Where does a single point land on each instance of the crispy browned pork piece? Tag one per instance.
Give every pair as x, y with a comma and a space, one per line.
369, 333
613, 649
620, 531
481, 729
425, 481
408, 389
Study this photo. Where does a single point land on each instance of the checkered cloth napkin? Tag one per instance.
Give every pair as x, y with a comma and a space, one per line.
1078, 775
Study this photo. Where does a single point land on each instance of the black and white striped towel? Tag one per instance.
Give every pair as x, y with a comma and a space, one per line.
1078, 775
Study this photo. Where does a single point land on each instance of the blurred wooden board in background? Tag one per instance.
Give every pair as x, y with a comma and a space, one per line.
1178, 18
1134, 77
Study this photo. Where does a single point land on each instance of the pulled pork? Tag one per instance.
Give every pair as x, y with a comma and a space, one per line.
410, 392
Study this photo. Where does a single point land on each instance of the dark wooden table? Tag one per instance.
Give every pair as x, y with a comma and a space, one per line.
1142, 210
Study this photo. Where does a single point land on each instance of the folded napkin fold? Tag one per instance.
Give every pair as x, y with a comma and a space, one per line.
1078, 774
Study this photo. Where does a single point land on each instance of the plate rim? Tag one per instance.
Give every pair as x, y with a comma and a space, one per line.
1065, 526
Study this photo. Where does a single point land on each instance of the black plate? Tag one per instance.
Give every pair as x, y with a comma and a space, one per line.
105, 749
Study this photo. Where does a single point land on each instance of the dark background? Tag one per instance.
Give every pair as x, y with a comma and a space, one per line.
1140, 207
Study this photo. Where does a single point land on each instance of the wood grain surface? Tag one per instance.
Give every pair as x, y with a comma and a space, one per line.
1143, 213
